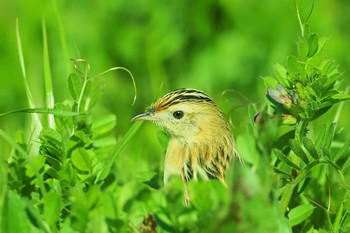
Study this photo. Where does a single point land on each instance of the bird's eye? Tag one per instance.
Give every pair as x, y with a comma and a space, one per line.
178, 114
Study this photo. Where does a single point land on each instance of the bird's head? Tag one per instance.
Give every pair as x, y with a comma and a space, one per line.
187, 114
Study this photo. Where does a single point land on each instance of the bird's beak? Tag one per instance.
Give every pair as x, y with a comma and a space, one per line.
146, 116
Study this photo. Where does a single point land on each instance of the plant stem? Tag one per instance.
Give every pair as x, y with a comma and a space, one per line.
299, 19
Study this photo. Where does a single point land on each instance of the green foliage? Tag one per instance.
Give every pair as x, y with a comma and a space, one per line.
78, 165
309, 84
301, 91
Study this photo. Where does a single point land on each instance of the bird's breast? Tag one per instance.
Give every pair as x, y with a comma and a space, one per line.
175, 158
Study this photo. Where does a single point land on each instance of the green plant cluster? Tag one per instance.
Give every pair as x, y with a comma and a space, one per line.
309, 84
303, 90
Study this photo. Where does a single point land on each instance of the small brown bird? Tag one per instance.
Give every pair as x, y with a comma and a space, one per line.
201, 142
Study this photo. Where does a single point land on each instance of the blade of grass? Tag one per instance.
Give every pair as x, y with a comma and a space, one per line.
42, 111
50, 100
62, 35
36, 125
127, 137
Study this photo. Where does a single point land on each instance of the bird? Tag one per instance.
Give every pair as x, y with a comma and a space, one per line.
201, 143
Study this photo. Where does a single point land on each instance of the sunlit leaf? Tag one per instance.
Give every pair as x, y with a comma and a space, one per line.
103, 124
341, 97
38, 162
294, 65
104, 142
313, 44
81, 159
52, 208
281, 74
300, 214
270, 82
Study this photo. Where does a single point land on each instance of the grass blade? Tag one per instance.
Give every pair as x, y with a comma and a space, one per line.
56, 112
127, 137
36, 125
50, 100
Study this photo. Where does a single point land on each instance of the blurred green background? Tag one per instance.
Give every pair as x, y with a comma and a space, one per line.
221, 47
214, 46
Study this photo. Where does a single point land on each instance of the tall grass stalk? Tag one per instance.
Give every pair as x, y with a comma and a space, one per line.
50, 100
35, 126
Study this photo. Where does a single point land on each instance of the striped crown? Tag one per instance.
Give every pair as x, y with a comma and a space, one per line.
179, 96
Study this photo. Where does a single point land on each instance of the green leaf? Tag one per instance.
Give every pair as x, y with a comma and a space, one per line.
346, 165
38, 162
74, 86
52, 208
247, 148
304, 183
341, 97
294, 66
324, 140
342, 150
12, 212
338, 219
296, 148
310, 147
103, 173
331, 80
104, 142
329, 136
286, 195
322, 42
163, 222
270, 82
97, 221
300, 214
81, 159
145, 176
51, 136
281, 75
103, 124
303, 48
285, 159
203, 203
320, 112
321, 137
281, 172
313, 44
